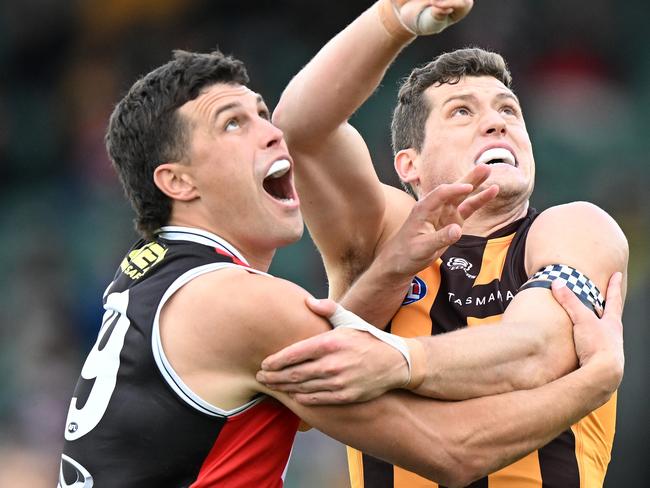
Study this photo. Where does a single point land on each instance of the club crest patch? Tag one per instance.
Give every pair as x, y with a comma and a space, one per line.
417, 291
460, 263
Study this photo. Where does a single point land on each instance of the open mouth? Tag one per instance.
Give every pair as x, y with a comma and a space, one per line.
277, 181
497, 155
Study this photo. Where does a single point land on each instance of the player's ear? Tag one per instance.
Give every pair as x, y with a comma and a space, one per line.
174, 180
406, 166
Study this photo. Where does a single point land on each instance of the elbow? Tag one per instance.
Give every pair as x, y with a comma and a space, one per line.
282, 119
457, 477
461, 473
296, 134
279, 117
464, 463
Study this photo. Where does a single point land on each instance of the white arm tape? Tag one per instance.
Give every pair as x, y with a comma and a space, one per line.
345, 318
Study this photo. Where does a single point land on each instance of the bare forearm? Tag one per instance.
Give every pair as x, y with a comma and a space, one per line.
503, 428
377, 294
491, 359
456, 442
340, 77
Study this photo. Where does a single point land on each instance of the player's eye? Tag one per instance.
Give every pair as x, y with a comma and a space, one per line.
510, 110
265, 114
461, 112
231, 124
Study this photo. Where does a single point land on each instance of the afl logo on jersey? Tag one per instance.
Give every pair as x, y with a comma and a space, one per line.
417, 292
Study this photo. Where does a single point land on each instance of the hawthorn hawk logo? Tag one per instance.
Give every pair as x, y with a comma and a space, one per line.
460, 263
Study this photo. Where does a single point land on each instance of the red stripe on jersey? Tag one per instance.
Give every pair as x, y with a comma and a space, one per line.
252, 449
234, 258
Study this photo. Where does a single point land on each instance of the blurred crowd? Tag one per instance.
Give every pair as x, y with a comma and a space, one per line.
581, 68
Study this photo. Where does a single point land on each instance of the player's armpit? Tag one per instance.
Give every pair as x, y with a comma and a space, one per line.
343, 203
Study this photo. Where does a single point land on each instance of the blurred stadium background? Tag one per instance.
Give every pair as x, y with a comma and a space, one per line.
581, 68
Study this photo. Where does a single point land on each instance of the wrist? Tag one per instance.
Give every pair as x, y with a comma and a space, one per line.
418, 365
391, 22
604, 376
388, 276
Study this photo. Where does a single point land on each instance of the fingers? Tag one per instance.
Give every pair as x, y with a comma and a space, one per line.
297, 353
477, 176
443, 238
324, 307
288, 382
459, 8
456, 193
326, 397
440, 14
572, 305
328, 390
614, 303
445, 194
475, 202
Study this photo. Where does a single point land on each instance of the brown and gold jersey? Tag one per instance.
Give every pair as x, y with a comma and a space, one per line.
472, 284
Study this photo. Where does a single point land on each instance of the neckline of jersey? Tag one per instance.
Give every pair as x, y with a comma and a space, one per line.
467, 240
201, 236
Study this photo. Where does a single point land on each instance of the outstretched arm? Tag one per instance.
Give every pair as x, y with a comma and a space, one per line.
343, 201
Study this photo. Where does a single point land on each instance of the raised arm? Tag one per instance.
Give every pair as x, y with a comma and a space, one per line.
452, 443
343, 201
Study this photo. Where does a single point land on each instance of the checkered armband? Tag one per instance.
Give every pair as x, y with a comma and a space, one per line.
578, 283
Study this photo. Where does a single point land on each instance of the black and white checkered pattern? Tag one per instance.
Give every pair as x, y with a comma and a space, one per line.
578, 283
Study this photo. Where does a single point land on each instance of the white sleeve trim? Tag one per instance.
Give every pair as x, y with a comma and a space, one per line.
166, 369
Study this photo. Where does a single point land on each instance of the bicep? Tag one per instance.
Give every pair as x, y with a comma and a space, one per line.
577, 235
540, 319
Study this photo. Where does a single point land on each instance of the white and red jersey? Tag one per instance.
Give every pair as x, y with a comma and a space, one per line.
132, 421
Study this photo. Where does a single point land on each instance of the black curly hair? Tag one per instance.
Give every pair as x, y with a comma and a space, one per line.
145, 129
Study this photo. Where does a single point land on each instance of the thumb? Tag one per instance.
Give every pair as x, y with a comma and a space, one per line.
323, 307
614, 305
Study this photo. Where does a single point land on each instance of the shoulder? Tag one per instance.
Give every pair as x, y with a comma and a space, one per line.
399, 204
245, 315
579, 234
575, 213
